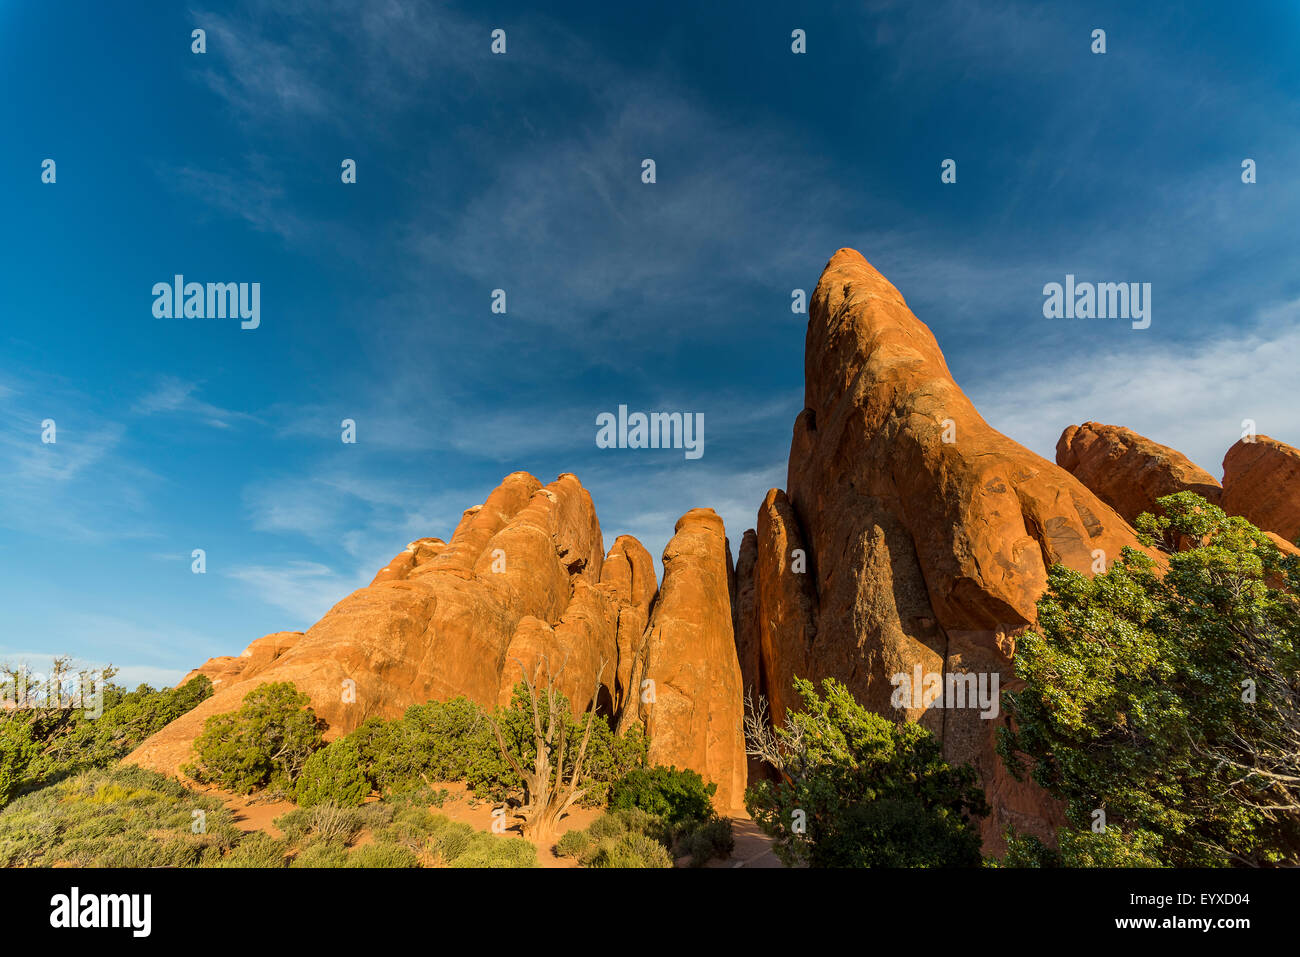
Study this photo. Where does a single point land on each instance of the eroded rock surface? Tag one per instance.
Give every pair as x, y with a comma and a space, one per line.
1128, 471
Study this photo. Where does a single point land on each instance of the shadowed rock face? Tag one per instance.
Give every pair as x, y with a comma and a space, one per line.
695, 717
785, 601
1128, 471
928, 532
1261, 483
629, 576
744, 624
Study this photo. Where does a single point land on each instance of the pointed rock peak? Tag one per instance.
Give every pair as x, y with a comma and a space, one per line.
927, 533
852, 267
695, 718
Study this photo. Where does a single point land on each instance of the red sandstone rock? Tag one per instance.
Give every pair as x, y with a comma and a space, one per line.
929, 533
694, 719
1128, 471
416, 553
446, 628
1261, 483
744, 613
629, 574
252, 660
785, 602
744, 625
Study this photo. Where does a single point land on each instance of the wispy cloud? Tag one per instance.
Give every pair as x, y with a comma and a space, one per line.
176, 397
1193, 397
80, 486
306, 590
253, 194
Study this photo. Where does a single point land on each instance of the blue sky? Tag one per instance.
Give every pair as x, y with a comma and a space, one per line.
522, 172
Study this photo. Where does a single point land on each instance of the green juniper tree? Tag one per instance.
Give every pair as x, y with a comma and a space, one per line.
859, 790
1162, 704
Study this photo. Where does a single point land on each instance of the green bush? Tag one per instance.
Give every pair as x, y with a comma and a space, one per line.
630, 850
848, 773
321, 823
39, 745
487, 850
382, 855
377, 815
573, 844
267, 740
256, 850
1079, 848
335, 774
627, 837
436, 741
893, 832
676, 797
419, 795
675, 807
119, 817
321, 855
452, 840
411, 826
128, 718
708, 840
608, 757
606, 826
18, 748
1168, 697
453, 741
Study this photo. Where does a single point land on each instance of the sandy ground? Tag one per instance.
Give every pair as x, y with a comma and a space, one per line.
753, 848
253, 813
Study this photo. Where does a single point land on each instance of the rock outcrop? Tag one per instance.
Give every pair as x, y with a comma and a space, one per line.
928, 533
785, 603
744, 625
523, 584
406, 561
1261, 483
253, 659
520, 577
693, 714
1129, 472
629, 576
912, 540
